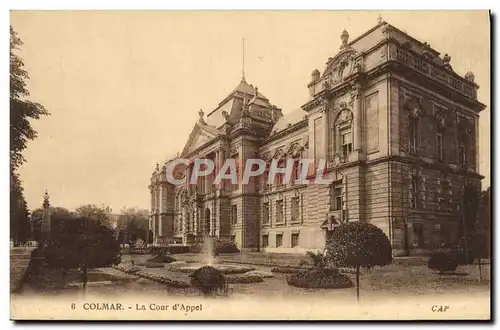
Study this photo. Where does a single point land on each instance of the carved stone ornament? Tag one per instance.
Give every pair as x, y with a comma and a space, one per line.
337, 160
278, 153
344, 116
294, 149
412, 104
225, 115
267, 156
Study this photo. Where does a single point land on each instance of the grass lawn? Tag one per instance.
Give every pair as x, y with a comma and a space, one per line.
403, 278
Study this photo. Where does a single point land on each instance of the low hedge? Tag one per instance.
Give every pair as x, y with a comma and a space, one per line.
327, 278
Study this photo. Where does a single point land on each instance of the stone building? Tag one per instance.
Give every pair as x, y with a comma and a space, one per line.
397, 126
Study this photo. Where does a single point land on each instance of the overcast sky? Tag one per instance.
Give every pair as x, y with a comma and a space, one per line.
124, 88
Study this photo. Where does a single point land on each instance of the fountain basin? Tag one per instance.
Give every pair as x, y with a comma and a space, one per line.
223, 268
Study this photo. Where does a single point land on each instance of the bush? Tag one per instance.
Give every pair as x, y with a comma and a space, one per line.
245, 279
162, 258
225, 246
442, 262
196, 247
220, 246
322, 278
208, 279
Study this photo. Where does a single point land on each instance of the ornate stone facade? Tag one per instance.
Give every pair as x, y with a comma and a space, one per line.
396, 126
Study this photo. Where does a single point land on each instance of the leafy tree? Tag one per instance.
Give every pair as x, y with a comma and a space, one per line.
21, 109
92, 211
358, 244
21, 112
58, 214
470, 208
20, 228
133, 224
477, 247
83, 244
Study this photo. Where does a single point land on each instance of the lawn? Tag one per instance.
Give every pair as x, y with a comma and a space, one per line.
403, 278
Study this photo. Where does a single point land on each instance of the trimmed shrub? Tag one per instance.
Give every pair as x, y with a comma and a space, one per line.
245, 279
358, 244
442, 262
208, 279
319, 278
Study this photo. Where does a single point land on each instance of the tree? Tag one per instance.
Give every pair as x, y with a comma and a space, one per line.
21, 112
20, 228
358, 244
21, 109
83, 244
133, 224
58, 214
477, 247
92, 211
470, 208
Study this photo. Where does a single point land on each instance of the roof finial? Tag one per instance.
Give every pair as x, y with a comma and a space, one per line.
345, 38
243, 59
380, 20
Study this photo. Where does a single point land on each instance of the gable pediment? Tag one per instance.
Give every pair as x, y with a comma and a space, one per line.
199, 136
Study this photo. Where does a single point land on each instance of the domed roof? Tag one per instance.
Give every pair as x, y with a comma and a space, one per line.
289, 119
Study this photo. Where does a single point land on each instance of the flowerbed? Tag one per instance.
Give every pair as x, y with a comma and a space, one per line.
319, 278
245, 279
286, 270
259, 273
154, 277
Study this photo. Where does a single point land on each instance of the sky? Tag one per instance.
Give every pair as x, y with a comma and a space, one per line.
124, 88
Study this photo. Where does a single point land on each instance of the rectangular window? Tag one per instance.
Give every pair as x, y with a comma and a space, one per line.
295, 209
336, 197
265, 213
413, 192
346, 142
234, 214
265, 241
418, 235
413, 136
279, 211
462, 155
295, 240
279, 240
439, 146
295, 171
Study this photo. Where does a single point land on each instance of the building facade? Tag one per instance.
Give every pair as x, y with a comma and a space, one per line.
397, 126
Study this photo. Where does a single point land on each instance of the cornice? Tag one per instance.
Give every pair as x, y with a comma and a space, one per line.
297, 126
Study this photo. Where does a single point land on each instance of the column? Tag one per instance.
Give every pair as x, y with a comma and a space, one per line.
188, 178
358, 121
326, 126
160, 208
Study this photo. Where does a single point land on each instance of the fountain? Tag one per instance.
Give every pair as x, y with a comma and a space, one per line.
209, 259
208, 249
